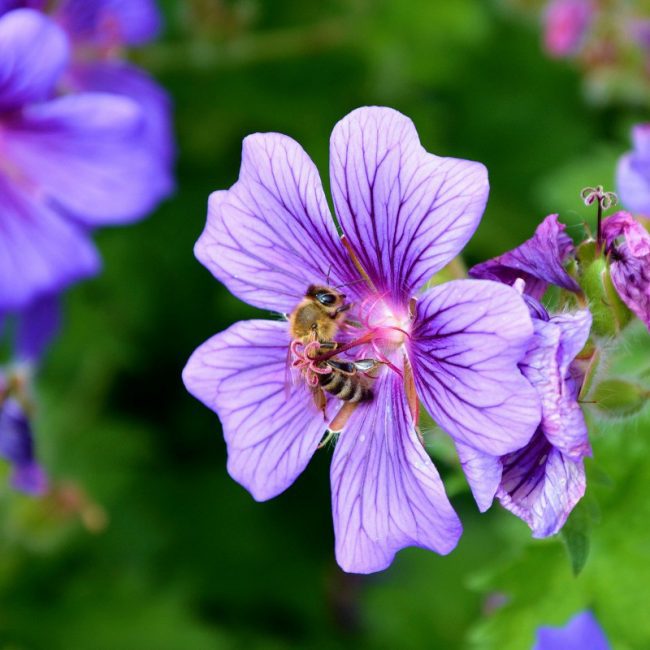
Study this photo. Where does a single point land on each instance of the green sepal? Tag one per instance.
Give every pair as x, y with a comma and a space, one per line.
576, 533
620, 397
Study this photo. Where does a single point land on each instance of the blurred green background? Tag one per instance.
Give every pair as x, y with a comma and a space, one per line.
148, 544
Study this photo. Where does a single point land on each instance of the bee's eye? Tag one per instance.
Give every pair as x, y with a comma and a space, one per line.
325, 298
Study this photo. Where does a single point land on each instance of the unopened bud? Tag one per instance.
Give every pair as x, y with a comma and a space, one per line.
620, 397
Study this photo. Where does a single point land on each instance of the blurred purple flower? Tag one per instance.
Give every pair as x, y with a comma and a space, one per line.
627, 243
406, 214
67, 165
633, 172
582, 632
538, 261
566, 23
17, 446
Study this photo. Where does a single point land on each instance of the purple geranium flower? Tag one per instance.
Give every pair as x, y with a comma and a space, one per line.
566, 23
539, 261
633, 172
542, 482
628, 244
17, 446
406, 213
67, 165
582, 632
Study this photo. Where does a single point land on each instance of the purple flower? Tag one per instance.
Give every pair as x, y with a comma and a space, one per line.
406, 213
67, 165
17, 446
628, 245
542, 482
633, 172
582, 632
566, 23
539, 261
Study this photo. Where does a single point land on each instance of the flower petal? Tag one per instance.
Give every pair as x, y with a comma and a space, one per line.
110, 22
87, 152
541, 485
546, 366
33, 53
40, 252
467, 341
123, 78
406, 212
582, 632
633, 173
386, 492
30, 479
271, 431
37, 326
539, 261
483, 473
631, 279
271, 234
623, 224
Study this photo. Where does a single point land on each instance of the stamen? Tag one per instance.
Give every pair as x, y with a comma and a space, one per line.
357, 263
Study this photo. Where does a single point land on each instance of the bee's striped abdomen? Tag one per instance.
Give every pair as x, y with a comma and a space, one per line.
349, 388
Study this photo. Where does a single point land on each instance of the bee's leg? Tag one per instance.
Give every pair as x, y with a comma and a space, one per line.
341, 418
321, 401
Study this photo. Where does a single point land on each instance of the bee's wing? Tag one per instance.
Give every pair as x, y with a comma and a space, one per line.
364, 365
347, 367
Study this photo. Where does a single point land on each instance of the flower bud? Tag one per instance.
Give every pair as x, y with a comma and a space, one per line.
619, 397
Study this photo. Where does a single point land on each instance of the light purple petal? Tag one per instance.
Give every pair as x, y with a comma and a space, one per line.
271, 234
37, 326
271, 429
546, 366
483, 473
631, 279
541, 485
122, 78
406, 212
633, 173
538, 261
30, 478
33, 53
582, 632
40, 252
87, 153
386, 492
109, 23
468, 339
623, 224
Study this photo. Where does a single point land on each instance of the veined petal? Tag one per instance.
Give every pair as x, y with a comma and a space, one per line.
468, 339
87, 153
271, 430
538, 261
546, 366
406, 212
33, 53
483, 473
40, 252
541, 485
623, 224
582, 632
110, 22
386, 492
271, 234
631, 279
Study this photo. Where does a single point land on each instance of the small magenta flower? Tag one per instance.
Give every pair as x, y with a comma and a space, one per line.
405, 214
566, 23
67, 165
582, 632
627, 243
539, 261
542, 482
17, 445
633, 172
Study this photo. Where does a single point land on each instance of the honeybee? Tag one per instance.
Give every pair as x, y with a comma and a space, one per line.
318, 315
317, 318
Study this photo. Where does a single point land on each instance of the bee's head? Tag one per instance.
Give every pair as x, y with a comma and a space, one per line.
330, 299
